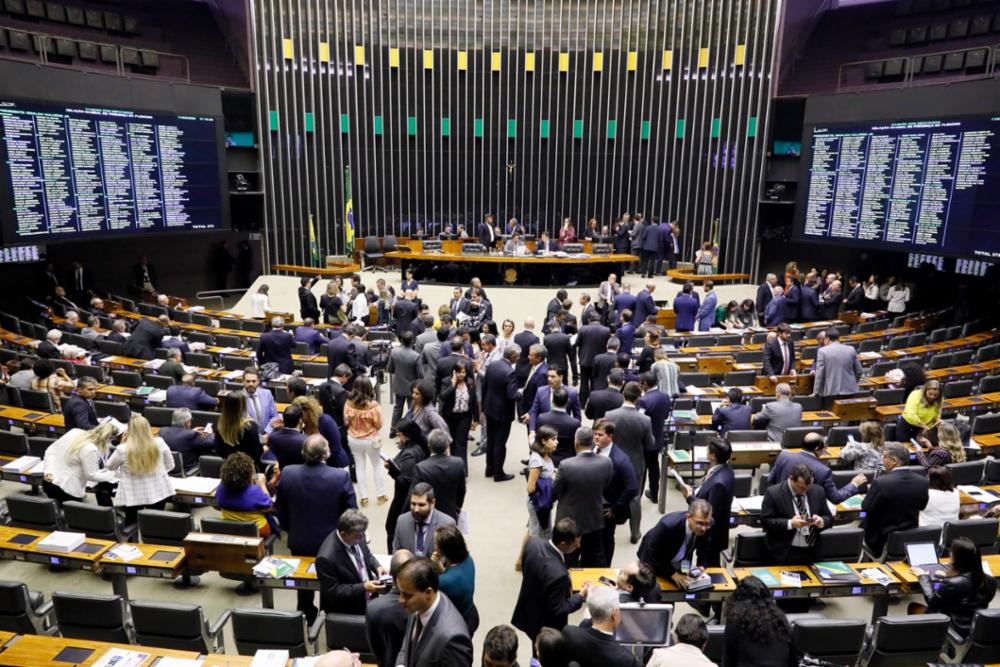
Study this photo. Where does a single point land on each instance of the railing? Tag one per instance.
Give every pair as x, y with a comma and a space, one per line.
908, 78
40, 48
211, 294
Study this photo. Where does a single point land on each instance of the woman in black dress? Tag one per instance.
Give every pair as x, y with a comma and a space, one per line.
412, 450
460, 409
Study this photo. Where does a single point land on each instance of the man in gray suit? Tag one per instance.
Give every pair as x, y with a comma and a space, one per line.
431, 353
415, 530
837, 369
779, 414
436, 634
386, 618
634, 436
428, 336
579, 487
405, 366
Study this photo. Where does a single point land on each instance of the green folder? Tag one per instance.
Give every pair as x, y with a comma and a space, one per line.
765, 575
682, 455
854, 502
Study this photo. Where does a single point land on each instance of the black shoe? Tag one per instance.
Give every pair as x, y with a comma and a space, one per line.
489, 473
524, 462
649, 494
478, 451
502, 477
634, 539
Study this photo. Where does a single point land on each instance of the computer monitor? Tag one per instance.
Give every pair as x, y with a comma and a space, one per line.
647, 624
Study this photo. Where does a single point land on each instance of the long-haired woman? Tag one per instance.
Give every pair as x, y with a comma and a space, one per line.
363, 418
236, 431
74, 460
142, 462
757, 633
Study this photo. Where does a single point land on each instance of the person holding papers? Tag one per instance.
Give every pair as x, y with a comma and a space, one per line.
73, 461
960, 591
792, 515
679, 542
717, 488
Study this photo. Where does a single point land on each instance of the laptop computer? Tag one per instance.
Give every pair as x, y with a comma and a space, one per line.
924, 555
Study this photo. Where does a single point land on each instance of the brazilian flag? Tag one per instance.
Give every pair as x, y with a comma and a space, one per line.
313, 243
349, 228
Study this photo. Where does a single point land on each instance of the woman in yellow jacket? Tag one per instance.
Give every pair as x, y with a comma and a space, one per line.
922, 411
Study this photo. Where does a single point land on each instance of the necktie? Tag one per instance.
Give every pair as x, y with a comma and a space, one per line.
256, 409
784, 356
421, 532
418, 628
800, 508
689, 548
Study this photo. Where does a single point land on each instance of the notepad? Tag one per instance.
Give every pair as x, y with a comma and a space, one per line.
765, 576
854, 502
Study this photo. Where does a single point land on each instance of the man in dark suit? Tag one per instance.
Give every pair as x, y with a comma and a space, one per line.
618, 494
556, 378
190, 443
308, 308
812, 449
436, 634
187, 395
458, 304
686, 308
656, 405
341, 350
524, 340
559, 345
310, 499
564, 424
545, 598
347, 571
487, 232
855, 296
666, 253
78, 411
809, 307
118, 329
308, 334
603, 363
624, 301
652, 243
47, 348
779, 354
894, 499
444, 473
501, 391
634, 434
386, 618
679, 539
579, 487
415, 530
831, 300
603, 401
595, 645
774, 311
276, 347
545, 244
554, 306
591, 341
644, 306
538, 377
333, 394
793, 296
146, 336
764, 295
792, 515
286, 442
404, 313
716, 488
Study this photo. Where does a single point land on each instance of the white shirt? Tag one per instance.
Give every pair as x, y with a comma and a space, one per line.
259, 304
72, 473
678, 655
354, 551
800, 539
425, 617
562, 557
941, 506
359, 307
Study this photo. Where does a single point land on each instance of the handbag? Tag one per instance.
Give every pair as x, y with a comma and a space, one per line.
542, 499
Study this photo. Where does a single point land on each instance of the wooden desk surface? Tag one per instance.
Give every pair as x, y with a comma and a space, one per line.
983, 401
811, 580
579, 576
507, 259
808, 418
37, 650
9, 413
8, 532
942, 374
147, 560
902, 569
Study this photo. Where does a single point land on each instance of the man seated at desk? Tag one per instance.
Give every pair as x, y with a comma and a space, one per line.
515, 246
793, 513
545, 245
812, 447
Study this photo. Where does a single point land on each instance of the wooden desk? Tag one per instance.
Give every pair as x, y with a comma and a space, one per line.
303, 578
85, 559
679, 276
821, 418
157, 561
20, 416
336, 269
669, 592
975, 403
208, 552
965, 372
39, 650
812, 587
902, 569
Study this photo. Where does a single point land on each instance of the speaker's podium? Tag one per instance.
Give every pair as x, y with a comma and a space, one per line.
211, 552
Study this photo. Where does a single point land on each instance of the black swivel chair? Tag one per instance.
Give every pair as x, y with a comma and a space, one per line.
989, 384
372, 254
348, 631
904, 641
958, 388
895, 546
837, 640
889, 396
36, 400
99, 523
795, 435
987, 423
204, 417
210, 466
13, 444
696, 379
170, 529
159, 381
37, 446
181, 627
24, 611
33, 512
983, 643
126, 379
119, 411
967, 472
750, 550
95, 372
99, 618
983, 532
838, 435
739, 378
840, 544
158, 416
256, 629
